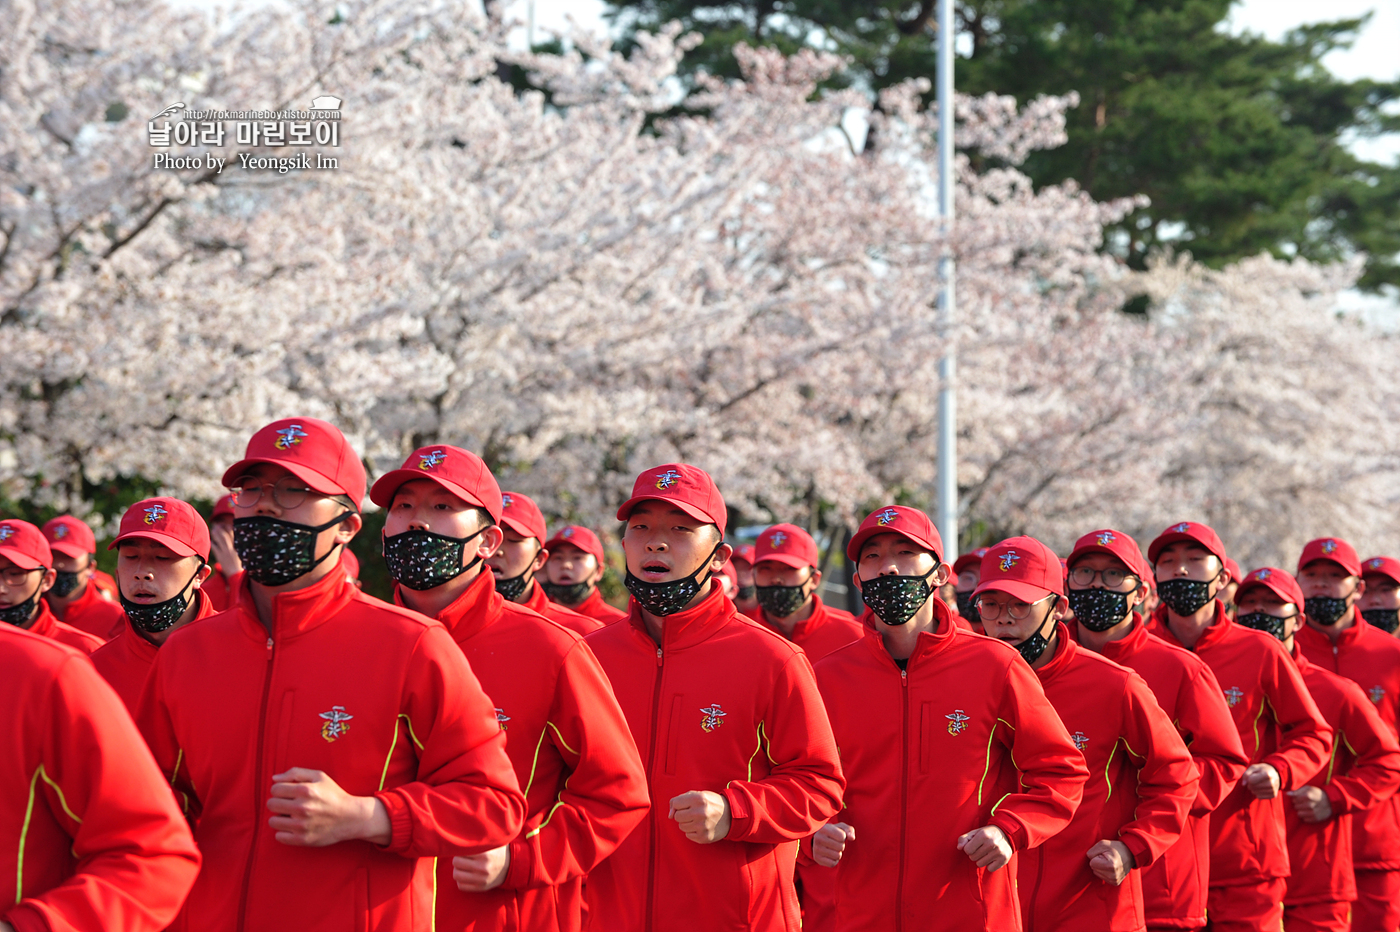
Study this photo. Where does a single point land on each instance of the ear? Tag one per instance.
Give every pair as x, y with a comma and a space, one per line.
816, 579
540, 559
940, 576
721, 557
489, 542
346, 530
597, 575
45, 584
202, 574
1360, 587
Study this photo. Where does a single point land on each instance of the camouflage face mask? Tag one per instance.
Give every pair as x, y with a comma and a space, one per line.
423, 560
275, 552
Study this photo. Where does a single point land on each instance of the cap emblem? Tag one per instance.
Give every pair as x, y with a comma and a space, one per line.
667, 479
1263, 574
154, 513
1375, 563
60, 532
6, 532
567, 532
429, 460
1328, 546
886, 517
1106, 538
288, 436
1182, 528
507, 501
777, 539
1009, 559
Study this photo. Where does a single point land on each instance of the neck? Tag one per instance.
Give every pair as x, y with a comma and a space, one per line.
263, 595
789, 624
1189, 628
59, 606
1288, 644
1097, 640
656, 623
159, 637
526, 591
33, 615
900, 640
1334, 632
431, 602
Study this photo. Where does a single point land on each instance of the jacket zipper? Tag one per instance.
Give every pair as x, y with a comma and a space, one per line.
651, 815
257, 797
903, 802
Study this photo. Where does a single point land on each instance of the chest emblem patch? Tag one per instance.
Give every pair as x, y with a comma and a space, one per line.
1377, 693
502, 718
957, 721
1081, 740
1233, 695
714, 717
335, 724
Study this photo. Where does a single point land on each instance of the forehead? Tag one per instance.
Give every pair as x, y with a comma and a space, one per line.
655, 508
1258, 592
267, 472
145, 546
1099, 560
1187, 548
564, 549
514, 536
1325, 568
887, 540
1379, 581
421, 490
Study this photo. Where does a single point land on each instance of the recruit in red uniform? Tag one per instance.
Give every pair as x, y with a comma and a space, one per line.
1367, 656
1279, 725
93, 840
566, 737
28, 558
581, 594
335, 693
520, 513
89, 610
722, 709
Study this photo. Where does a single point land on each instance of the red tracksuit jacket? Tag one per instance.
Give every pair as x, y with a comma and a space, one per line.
595, 607
222, 591
1174, 886
826, 630
94, 613
47, 625
964, 737
125, 661
377, 697
90, 838
1370, 658
566, 617
1141, 786
584, 786
1279, 724
1363, 772
723, 705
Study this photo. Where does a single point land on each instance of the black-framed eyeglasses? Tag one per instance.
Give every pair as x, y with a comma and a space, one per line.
1083, 576
1019, 611
14, 576
287, 492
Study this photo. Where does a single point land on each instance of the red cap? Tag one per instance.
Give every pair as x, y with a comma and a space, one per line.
459, 471
744, 554
223, 507
1115, 544
69, 535
167, 521
1331, 548
687, 487
1382, 566
1023, 568
312, 450
969, 560
24, 545
523, 516
1201, 534
350, 562
1280, 582
897, 519
787, 544
582, 538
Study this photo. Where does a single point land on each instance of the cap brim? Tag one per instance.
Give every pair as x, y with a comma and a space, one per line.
624, 512
521, 528
786, 559
1276, 590
317, 481
858, 541
1166, 540
1099, 548
168, 540
19, 558
1017, 589
384, 488
71, 550
1333, 560
1386, 573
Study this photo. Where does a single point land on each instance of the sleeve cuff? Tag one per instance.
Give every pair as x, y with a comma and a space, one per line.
400, 824
1340, 805
1142, 855
740, 816
23, 918
1285, 774
1014, 831
518, 873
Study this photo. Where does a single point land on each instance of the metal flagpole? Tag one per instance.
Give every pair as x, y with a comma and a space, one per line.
947, 366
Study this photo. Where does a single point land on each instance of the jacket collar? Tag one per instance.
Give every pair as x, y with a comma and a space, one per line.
1350, 637
137, 643
929, 643
82, 603
803, 629
46, 623
478, 607
1300, 658
690, 627
1065, 650
300, 610
1219, 630
1123, 649
538, 602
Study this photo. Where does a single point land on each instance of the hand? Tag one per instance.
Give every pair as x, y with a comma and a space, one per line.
702, 815
988, 847
829, 843
313, 811
478, 873
221, 548
1262, 780
6, 927
1311, 804
1110, 861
